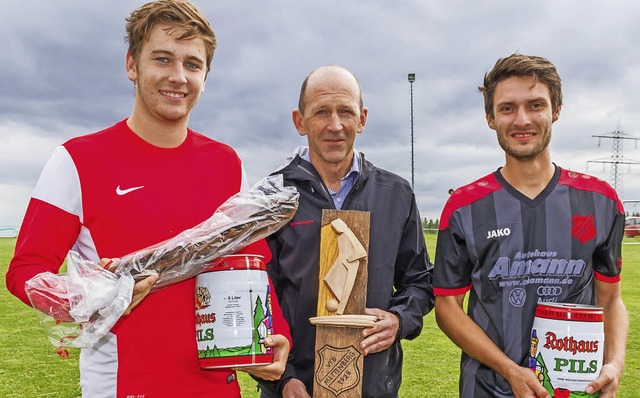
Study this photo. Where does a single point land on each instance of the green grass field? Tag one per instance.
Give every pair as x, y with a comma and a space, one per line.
30, 366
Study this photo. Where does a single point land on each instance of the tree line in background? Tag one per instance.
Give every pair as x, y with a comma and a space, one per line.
430, 226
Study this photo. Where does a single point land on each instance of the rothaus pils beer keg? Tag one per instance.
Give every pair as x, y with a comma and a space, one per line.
567, 344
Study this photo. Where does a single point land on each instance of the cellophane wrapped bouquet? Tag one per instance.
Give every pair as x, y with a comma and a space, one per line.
79, 307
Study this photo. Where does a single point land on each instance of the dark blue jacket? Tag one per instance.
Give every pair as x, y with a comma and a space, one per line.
400, 273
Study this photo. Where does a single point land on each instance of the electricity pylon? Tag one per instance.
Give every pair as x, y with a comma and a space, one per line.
617, 157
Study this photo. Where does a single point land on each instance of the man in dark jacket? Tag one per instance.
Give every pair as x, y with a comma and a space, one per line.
330, 174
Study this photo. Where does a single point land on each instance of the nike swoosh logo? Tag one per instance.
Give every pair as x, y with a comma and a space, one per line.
121, 192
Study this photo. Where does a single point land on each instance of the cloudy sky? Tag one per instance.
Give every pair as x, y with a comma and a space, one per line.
62, 75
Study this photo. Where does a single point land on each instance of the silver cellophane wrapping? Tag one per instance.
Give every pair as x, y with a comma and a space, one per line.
80, 306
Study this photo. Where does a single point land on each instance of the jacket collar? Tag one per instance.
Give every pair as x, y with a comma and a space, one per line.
295, 167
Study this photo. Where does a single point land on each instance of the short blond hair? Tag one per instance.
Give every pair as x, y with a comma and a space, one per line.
181, 15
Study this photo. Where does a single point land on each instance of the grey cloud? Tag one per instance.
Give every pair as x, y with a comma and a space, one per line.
63, 75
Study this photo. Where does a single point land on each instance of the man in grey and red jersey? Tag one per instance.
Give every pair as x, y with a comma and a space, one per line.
527, 233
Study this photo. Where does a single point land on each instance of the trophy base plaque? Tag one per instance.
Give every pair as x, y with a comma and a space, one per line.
342, 296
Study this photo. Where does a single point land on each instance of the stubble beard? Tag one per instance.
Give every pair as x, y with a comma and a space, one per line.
526, 156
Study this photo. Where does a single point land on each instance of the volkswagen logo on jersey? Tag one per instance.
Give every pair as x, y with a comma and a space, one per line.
517, 297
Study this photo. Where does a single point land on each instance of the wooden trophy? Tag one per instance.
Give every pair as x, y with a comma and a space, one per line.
342, 293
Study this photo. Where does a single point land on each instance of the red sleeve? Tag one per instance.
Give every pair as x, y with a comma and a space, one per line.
280, 325
46, 236
451, 292
607, 279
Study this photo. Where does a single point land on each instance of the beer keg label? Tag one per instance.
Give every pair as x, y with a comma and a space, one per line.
567, 343
233, 315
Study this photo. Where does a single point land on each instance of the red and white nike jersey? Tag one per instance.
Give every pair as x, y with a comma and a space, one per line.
109, 194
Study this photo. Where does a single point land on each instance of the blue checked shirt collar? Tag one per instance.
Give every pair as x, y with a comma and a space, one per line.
346, 183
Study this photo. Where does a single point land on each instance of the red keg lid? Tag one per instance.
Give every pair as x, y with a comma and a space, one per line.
238, 261
570, 312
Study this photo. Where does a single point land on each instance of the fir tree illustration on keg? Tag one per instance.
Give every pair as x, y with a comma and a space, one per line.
262, 323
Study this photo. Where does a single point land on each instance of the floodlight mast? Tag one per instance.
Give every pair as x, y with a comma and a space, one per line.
412, 77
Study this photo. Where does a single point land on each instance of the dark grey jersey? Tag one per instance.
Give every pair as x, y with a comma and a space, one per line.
511, 252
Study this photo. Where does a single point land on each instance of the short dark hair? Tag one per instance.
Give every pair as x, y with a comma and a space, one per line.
540, 69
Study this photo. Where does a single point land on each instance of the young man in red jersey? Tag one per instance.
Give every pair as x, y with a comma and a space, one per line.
134, 184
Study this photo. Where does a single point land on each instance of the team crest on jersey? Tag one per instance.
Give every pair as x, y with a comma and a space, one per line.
583, 228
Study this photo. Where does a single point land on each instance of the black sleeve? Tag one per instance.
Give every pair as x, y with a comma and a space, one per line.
413, 297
